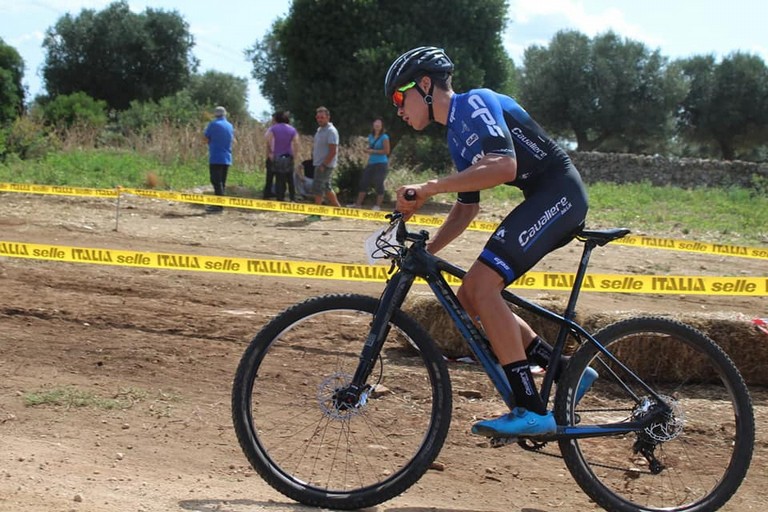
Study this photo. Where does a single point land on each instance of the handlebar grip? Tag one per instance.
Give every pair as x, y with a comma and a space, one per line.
410, 195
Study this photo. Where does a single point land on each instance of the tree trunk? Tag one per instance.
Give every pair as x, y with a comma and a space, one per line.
727, 150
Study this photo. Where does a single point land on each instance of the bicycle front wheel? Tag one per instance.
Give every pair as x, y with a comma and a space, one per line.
318, 450
692, 459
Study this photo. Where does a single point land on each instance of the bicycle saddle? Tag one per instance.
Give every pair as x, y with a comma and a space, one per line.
602, 236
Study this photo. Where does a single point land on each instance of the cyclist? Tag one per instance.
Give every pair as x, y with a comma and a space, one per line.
493, 141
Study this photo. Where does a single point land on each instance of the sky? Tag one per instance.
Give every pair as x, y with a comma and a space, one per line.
223, 31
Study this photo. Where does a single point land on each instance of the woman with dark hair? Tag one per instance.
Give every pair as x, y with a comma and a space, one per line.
282, 147
376, 170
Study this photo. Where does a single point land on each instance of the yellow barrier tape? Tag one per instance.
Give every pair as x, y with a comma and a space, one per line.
678, 285
259, 204
691, 246
28, 188
361, 214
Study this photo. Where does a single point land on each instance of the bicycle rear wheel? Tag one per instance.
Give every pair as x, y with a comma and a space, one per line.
318, 451
695, 458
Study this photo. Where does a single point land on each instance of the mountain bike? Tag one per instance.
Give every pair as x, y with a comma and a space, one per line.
344, 401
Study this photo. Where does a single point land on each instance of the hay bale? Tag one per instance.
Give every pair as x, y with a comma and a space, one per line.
734, 332
425, 309
741, 340
430, 314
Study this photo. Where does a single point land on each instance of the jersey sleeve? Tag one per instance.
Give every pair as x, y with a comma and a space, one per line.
490, 124
479, 128
461, 163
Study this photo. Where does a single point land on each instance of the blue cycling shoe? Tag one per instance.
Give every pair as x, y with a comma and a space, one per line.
519, 422
587, 379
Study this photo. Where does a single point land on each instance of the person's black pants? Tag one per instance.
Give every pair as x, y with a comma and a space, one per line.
267, 193
281, 179
219, 178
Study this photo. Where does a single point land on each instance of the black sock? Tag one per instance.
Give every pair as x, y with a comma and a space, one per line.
523, 387
540, 352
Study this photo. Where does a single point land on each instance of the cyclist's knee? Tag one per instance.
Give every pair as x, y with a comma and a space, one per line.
472, 292
465, 299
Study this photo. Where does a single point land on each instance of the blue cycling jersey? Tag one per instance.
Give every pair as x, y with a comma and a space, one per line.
482, 122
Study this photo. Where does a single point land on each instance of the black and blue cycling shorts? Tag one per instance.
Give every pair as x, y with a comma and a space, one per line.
552, 213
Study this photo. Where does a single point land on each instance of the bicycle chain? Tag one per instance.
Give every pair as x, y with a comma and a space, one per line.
539, 451
538, 448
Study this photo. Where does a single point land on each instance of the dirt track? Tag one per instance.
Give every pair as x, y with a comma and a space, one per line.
164, 345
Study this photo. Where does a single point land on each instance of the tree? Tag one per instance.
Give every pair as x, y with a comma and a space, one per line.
607, 93
336, 52
177, 110
118, 56
556, 88
76, 109
215, 88
270, 66
727, 103
11, 90
693, 111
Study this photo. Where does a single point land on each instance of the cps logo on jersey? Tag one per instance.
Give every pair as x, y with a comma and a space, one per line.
481, 111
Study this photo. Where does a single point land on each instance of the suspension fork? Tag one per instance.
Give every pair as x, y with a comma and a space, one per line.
393, 297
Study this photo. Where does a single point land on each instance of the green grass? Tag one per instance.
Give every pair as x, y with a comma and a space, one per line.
730, 215
707, 214
71, 397
724, 215
110, 168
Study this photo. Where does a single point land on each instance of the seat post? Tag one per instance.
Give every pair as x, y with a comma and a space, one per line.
578, 280
570, 312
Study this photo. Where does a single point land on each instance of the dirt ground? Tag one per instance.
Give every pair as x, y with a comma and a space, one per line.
163, 347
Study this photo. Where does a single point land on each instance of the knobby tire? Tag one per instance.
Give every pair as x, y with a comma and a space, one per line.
706, 445
310, 450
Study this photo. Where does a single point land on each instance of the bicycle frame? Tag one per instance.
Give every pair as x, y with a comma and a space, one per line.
416, 261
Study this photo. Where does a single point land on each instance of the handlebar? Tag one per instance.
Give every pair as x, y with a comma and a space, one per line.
396, 221
391, 241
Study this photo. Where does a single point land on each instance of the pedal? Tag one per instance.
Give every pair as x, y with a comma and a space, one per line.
498, 442
531, 445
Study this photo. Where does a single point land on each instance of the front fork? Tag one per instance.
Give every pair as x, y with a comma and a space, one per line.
393, 297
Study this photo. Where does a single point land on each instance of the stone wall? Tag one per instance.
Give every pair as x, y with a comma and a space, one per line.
660, 170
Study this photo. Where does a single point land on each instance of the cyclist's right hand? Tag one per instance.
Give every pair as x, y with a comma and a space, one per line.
409, 199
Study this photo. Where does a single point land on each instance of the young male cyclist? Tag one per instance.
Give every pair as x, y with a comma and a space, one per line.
493, 141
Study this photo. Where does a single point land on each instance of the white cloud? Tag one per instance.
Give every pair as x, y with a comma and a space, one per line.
573, 11
36, 37
55, 6
535, 23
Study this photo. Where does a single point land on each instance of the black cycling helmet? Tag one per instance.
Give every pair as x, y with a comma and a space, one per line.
424, 60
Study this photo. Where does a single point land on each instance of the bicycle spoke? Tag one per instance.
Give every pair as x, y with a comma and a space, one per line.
694, 456
301, 430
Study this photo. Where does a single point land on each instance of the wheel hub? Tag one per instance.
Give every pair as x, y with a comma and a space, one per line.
339, 399
671, 423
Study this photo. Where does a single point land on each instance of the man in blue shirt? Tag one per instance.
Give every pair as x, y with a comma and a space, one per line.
220, 135
493, 141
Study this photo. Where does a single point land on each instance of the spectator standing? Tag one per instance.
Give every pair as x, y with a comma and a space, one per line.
375, 171
220, 135
325, 153
282, 147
